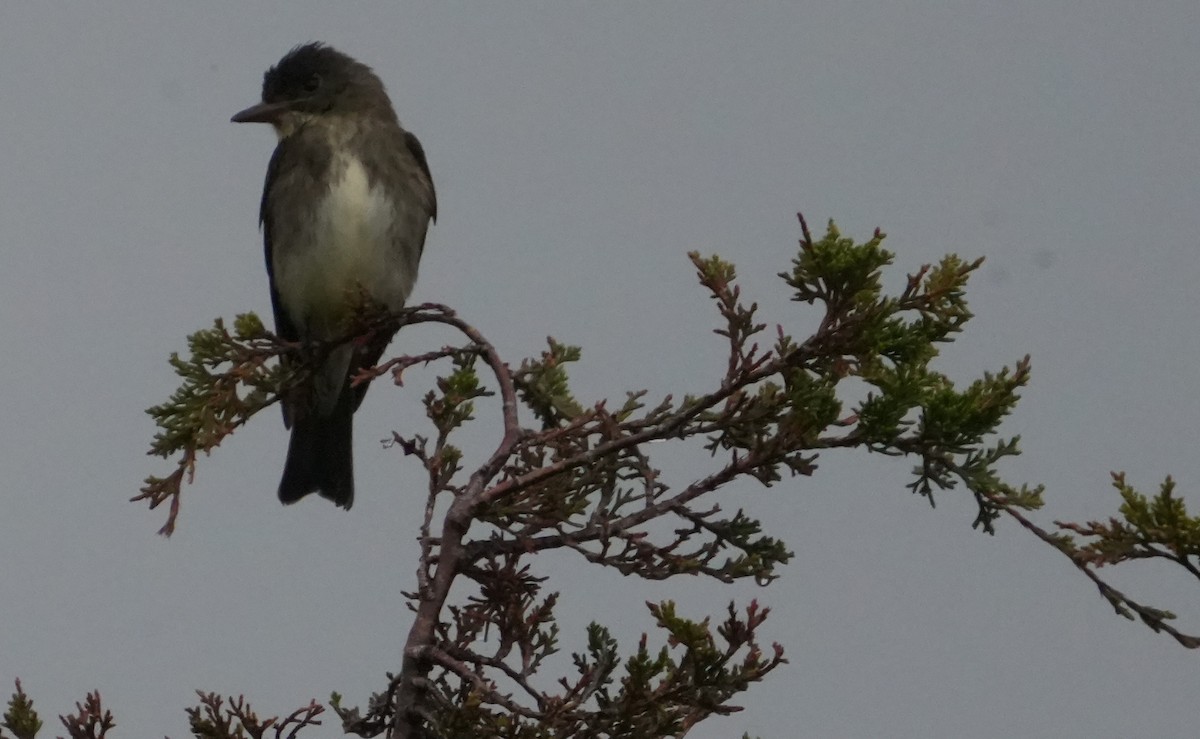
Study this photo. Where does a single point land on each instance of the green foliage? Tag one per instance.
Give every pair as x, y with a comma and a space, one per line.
1150, 527
839, 273
1161, 520
225, 381
90, 720
660, 692
448, 408
452, 406
544, 386
20, 718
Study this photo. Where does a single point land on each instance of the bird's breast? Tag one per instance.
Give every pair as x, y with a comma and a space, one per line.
348, 242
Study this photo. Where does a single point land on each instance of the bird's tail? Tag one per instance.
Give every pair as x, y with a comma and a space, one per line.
320, 456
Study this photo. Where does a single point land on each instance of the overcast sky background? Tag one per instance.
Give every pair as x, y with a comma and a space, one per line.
579, 152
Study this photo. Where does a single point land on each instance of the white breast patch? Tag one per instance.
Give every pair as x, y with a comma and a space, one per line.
349, 246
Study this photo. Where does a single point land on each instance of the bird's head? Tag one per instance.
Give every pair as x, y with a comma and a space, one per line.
312, 81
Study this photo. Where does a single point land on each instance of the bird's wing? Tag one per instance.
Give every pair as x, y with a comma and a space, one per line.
284, 327
418, 153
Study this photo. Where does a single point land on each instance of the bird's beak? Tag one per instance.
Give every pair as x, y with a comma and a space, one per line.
261, 113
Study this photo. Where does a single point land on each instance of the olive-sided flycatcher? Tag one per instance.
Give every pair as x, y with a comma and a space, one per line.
345, 208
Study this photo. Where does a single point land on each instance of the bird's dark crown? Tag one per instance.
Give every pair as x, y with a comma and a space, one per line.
315, 78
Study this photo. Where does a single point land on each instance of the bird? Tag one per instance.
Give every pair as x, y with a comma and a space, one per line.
345, 209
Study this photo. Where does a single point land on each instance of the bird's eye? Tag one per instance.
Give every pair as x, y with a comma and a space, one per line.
312, 83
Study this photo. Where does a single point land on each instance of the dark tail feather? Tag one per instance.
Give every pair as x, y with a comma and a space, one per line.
368, 356
320, 457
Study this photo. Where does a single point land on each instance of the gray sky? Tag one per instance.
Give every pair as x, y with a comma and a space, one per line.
579, 153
